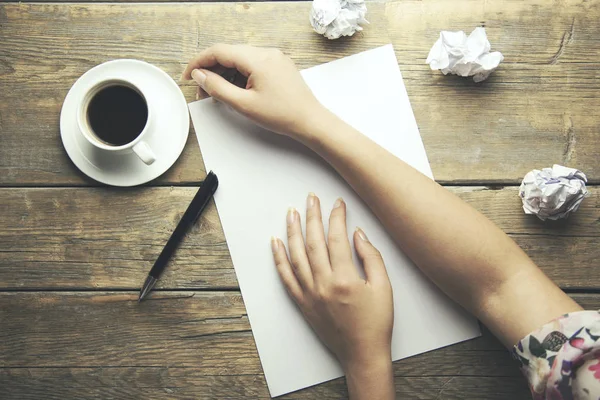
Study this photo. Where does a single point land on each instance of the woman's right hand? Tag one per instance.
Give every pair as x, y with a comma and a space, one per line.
275, 95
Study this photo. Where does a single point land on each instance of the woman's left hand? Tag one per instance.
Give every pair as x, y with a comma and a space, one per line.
352, 316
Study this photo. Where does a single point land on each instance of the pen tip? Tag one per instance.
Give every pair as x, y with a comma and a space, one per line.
148, 285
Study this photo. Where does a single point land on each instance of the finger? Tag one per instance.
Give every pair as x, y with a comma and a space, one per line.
316, 247
230, 56
340, 252
219, 88
372, 261
219, 69
298, 257
282, 263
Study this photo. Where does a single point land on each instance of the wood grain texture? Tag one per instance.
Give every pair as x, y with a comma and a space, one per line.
103, 238
190, 384
184, 345
530, 114
107, 238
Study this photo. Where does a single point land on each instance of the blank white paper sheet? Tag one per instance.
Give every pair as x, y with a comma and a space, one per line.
261, 174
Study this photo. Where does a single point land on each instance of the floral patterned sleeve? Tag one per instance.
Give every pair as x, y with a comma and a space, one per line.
561, 360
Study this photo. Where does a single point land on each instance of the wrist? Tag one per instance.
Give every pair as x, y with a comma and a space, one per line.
368, 365
372, 378
317, 123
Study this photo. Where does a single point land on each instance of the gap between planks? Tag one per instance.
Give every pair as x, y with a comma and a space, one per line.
189, 290
488, 184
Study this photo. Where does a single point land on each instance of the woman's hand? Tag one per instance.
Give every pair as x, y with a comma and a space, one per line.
275, 95
352, 316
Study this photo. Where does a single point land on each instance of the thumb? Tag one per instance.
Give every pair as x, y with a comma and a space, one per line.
219, 88
372, 261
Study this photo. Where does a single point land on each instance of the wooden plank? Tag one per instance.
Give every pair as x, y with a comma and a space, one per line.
526, 32
98, 329
196, 345
178, 383
107, 238
504, 207
531, 113
58, 384
46, 47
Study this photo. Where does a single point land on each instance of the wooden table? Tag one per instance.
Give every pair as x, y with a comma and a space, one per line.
73, 253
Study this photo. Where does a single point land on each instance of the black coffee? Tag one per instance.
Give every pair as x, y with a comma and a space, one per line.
117, 114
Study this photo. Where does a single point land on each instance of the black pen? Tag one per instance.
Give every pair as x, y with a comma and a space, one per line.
190, 216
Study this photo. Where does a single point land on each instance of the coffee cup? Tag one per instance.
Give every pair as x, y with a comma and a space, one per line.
114, 116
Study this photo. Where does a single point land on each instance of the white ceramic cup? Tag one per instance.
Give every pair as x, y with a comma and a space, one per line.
137, 145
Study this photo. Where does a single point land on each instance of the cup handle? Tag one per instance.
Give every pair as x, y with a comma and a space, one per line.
144, 152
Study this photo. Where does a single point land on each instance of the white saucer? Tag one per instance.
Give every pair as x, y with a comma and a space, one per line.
170, 125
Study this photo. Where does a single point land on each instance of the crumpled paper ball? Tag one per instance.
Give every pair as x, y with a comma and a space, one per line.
553, 193
335, 18
455, 53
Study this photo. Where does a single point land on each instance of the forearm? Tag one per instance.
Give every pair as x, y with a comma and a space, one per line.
463, 252
371, 381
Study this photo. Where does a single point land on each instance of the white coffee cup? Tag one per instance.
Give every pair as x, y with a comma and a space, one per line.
137, 145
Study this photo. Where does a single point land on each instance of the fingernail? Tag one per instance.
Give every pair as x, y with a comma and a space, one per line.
310, 200
338, 202
361, 234
274, 244
291, 216
199, 77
